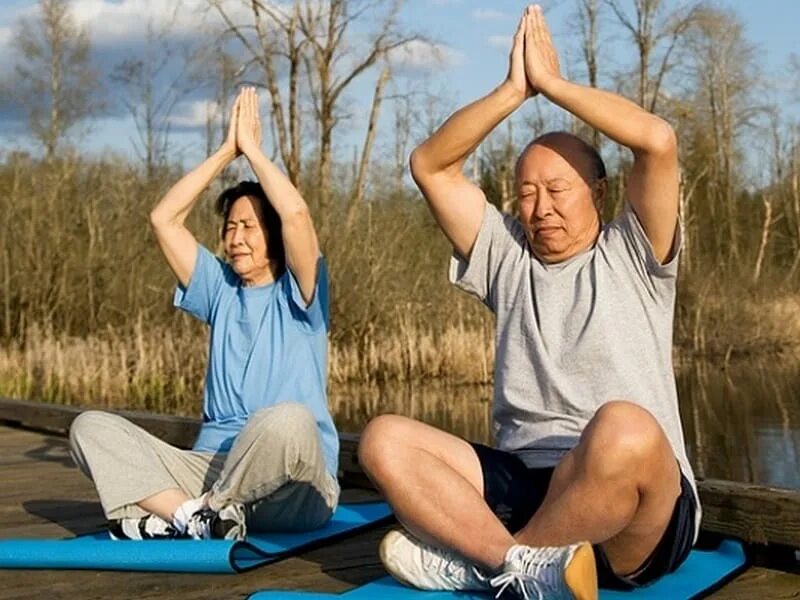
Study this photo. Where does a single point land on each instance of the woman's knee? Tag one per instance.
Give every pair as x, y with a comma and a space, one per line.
287, 419
89, 425
90, 433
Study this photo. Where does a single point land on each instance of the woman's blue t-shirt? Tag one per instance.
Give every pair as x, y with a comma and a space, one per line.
266, 347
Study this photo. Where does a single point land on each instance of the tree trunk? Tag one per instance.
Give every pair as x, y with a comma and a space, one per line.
361, 175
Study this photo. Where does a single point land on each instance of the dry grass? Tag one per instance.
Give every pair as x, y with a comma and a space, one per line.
162, 369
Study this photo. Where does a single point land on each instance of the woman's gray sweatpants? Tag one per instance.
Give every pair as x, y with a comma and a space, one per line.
275, 468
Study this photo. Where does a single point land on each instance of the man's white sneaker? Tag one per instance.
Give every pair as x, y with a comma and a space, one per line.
425, 567
551, 573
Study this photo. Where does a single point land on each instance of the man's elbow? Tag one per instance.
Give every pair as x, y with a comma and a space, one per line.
661, 140
423, 166
418, 164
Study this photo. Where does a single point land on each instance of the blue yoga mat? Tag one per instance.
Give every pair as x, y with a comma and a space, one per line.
99, 552
702, 572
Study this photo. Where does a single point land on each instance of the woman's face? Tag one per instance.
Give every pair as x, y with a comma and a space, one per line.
245, 242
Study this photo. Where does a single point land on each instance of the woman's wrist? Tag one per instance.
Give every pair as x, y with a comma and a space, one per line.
227, 153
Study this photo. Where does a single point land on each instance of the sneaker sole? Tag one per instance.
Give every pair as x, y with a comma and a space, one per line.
581, 574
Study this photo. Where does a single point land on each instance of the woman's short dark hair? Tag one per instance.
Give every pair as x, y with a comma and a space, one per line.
269, 217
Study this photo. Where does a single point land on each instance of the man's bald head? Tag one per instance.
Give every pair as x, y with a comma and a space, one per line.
583, 156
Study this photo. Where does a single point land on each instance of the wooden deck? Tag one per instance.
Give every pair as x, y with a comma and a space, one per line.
43, 495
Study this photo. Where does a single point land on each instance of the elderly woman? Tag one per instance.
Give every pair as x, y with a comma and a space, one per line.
266, 456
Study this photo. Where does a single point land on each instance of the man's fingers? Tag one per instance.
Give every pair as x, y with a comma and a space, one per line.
548, 39
536, 26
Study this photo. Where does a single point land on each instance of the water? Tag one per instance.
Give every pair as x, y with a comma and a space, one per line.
740, 423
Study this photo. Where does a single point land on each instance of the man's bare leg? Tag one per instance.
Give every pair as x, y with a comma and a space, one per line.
617, 487
434, 482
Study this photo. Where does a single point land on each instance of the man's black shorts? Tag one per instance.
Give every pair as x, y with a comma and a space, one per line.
514, 493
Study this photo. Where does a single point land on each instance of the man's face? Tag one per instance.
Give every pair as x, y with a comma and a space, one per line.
556, 201
245, 241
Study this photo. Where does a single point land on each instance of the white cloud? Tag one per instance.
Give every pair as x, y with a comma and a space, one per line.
488, 14
128, 19
419, 54
194, 114
502, 42
5, 35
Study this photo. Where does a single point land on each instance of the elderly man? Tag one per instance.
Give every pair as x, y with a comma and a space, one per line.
589, 480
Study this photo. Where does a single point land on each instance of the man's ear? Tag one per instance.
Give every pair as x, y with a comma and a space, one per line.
599, 193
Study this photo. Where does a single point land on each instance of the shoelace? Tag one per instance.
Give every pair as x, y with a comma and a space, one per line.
199, 525
535, 570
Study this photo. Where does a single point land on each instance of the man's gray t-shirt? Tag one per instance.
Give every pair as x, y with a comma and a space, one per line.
573, 335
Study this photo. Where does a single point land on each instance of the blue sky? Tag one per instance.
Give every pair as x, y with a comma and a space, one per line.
471, 37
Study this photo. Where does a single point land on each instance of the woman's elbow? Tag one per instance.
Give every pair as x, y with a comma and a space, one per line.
296, 217
155, 219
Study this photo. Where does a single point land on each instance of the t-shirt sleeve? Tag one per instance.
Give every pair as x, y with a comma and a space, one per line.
642, 248
313, 316
205, 283
500, 240
629, 248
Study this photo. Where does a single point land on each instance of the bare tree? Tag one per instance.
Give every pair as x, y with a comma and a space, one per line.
151, 86
361, 174
276, 41
765, 231
656, 33
587, 13
795, 199
220, 72
54, 80
725, 72
325, 26
402, 136
314, 39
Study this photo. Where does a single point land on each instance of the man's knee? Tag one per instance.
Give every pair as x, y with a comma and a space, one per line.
380, 441
622, 437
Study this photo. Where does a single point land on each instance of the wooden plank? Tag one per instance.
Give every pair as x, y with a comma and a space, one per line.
753, 513
178, 431
758, 582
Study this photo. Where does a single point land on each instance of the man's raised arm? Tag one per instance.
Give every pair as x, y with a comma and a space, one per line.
437, 164
653, 185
